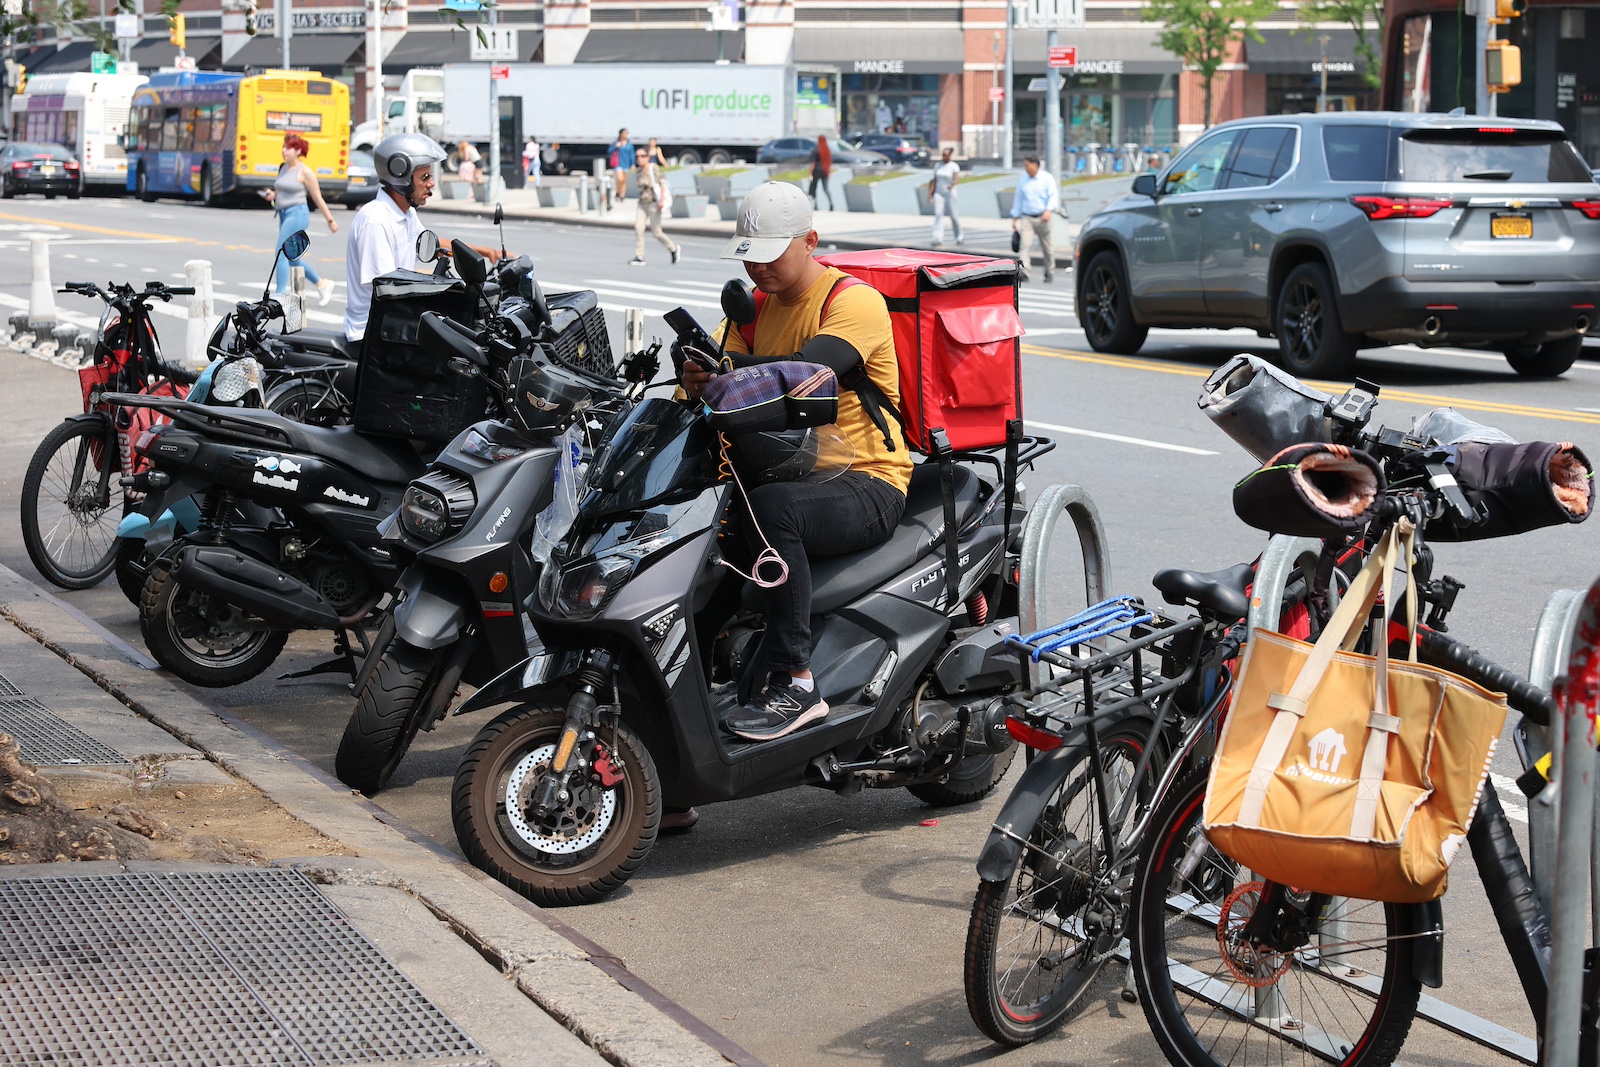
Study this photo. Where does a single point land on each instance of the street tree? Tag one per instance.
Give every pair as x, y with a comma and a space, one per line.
1201, 32
77, 18
1365, 17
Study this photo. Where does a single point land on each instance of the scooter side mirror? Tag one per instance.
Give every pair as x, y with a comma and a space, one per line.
427, 246
499, 214
737, 304
533, 293
471, 266
295, 245
437, 333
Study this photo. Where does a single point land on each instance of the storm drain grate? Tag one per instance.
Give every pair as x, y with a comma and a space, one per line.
8, 688
47, 740
231, 967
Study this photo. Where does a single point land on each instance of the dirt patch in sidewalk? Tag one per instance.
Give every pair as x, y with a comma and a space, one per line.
84, 817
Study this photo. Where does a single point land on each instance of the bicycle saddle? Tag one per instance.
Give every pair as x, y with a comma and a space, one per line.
1219, 591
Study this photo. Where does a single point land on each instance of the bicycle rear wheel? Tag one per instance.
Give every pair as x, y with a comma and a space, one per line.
1032, 948
71, 505
1346, 996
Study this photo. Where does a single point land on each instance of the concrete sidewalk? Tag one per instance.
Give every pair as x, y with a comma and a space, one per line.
232, 903
841, 229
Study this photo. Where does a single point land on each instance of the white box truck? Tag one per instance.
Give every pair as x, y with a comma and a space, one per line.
417, 107
697, 112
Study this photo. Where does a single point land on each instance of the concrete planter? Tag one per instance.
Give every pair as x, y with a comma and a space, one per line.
681, 180
978, 198
897, 195
454, 190
558, 196
689, 205
728, 207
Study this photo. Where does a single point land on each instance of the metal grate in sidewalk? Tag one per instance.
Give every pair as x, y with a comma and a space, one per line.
47, 740
228, 967
8, 688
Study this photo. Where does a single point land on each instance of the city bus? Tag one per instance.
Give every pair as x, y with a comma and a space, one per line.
218, 136
83, 113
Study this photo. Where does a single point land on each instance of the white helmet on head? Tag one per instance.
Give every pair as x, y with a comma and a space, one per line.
397, 157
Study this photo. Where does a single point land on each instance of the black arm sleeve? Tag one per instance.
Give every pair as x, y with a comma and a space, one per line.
832, 352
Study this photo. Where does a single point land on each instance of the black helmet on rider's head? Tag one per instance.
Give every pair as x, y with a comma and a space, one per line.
544, 398
397, 158
775, 456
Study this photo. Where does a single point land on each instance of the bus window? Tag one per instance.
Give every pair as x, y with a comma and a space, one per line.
186, 138
219, 126
170, 127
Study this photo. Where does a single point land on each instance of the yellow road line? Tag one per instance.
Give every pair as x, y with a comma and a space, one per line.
105, 230
1493, 407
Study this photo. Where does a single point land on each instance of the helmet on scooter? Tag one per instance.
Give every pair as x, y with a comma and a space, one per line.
397, 158
543, 397
775, 456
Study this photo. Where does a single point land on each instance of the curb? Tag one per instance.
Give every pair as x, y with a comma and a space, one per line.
579, 984
685, 227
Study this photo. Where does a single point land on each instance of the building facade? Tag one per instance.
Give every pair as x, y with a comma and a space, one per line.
929, 68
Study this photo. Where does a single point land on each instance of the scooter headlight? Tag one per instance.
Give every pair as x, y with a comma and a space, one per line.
436, 504
581, 590
234, 380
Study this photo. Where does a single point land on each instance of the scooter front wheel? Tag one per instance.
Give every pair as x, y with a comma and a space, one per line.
387, 716
579, 854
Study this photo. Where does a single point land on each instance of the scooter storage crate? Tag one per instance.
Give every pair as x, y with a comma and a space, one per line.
957, 337
403, 390
581, 340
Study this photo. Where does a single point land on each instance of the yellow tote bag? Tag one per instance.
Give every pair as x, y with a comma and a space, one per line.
1328, 780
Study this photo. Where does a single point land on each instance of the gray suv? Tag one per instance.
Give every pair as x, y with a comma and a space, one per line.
1355, 229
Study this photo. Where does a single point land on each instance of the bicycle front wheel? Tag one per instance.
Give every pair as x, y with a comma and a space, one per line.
1346, 994
1036, 941
71, 505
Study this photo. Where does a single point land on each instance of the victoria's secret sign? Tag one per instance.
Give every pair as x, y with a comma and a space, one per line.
331, 19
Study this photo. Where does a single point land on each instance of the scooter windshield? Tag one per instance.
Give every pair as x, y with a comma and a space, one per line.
661, 453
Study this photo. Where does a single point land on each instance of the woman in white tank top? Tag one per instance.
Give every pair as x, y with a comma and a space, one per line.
296, 185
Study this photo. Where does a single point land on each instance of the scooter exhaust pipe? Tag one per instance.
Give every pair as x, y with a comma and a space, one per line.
1582, 324
258, 588
1431, 325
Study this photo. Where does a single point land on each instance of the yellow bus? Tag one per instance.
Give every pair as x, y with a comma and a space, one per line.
214, 136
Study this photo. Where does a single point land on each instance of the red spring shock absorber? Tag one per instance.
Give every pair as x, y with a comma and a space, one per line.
978, 608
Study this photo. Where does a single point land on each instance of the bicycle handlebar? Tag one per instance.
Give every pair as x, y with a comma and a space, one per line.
1521, 694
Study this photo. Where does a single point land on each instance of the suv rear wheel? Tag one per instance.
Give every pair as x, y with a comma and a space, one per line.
1546, 360
1105, 310
1311, 336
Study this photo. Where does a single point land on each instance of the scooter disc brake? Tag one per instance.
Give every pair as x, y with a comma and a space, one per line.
581, 823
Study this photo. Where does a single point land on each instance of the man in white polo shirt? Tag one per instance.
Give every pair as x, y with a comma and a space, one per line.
384, 235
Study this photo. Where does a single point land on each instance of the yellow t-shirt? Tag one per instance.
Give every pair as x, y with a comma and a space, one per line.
857, 315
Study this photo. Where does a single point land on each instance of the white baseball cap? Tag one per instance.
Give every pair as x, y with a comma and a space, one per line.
774, 214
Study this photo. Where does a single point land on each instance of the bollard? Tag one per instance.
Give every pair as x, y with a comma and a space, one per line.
602, 187
197, 273
633, 330
583, 194
42, 298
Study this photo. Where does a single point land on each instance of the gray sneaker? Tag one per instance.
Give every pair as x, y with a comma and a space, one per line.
778, 711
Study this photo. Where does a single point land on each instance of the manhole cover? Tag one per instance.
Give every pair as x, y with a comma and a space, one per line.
228, 967
47, 740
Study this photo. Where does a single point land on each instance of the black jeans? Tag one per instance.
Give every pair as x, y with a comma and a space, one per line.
818, 179
814, 516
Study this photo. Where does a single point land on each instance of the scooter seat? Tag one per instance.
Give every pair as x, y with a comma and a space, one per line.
327, 342
1220, 591
837, 580
380, 458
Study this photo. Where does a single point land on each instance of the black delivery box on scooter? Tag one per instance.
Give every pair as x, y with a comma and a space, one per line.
403, 390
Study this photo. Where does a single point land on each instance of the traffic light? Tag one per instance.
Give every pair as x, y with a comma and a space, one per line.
1510, 9
176, 30
1502, 66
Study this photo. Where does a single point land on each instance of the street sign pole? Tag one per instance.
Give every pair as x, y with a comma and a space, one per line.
494, 117
285, 17
1052, 110
1011, 115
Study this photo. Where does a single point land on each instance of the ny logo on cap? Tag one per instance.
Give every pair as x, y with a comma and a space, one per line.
752, 220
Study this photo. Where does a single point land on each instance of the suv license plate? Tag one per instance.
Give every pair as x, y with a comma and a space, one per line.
1514, 224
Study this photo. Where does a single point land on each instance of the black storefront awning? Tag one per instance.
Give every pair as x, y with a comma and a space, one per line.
659, 46
74, 57
433, 48
1101, 50
1300, 51
318, 51
897, 51
153, 53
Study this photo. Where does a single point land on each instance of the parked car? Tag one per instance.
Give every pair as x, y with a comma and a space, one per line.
899, 147
797, 150
1355, 229
27, 167
363, 184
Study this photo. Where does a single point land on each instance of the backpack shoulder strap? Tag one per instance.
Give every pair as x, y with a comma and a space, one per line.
846, 282
748, 330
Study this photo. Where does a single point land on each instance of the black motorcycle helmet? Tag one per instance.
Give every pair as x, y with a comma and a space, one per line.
775, 456
543, 397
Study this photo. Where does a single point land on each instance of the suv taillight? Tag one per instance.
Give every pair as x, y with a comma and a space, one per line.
1590, 208
1398, 207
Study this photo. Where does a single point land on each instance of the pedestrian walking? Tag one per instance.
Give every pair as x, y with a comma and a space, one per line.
530, 161
821, 167
1034, 204
621, 160
296, 185
653, 153
653, 195
467, 160
942, 194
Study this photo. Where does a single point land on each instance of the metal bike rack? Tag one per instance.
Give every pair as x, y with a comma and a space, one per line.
1035, 607
1572, 786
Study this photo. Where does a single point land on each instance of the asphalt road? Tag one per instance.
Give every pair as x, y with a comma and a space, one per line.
813, 928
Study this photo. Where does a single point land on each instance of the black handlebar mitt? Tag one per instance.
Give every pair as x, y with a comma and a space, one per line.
1311, 490
1519, 487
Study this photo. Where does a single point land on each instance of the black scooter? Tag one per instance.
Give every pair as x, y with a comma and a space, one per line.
649, 644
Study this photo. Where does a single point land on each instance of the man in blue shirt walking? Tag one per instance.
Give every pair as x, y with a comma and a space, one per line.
1036, 201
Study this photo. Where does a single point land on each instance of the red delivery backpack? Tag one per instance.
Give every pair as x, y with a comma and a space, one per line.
957, 337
